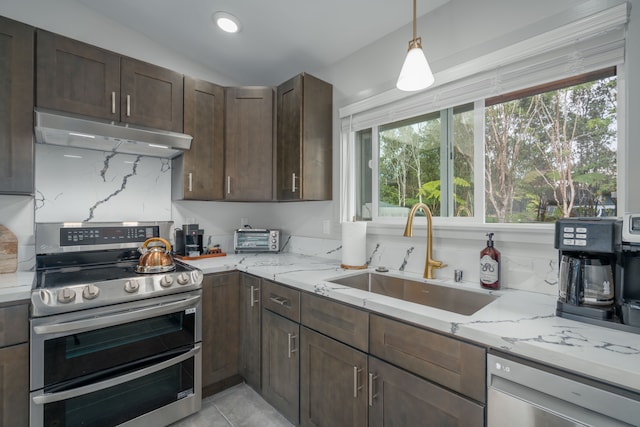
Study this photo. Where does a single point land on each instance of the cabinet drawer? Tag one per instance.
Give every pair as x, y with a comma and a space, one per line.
14, 324
339, 321
282, 300
454, 364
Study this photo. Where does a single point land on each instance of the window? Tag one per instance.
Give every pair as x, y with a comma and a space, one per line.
549, 151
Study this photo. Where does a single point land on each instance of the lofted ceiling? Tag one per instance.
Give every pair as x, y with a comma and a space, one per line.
279, 38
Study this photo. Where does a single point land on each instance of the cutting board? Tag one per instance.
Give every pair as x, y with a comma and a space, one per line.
8, 251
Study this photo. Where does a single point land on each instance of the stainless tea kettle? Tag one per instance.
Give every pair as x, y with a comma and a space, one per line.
586, 280
155, 259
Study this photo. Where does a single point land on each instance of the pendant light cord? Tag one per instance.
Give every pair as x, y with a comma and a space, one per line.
414, 20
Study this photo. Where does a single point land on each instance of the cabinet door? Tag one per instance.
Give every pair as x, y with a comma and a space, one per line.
289, 140
220, 330
202, 166
16, 107
249, 144
151, 96
455, 364
281, 364
398, 398
304, 142
76, 77
250, 312
333, 377
14, 386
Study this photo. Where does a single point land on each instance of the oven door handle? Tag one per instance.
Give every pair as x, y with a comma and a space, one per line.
111, 319
80, 391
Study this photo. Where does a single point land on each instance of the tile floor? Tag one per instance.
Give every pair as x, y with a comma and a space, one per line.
238, 406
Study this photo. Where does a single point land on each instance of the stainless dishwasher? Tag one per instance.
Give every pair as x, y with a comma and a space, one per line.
525, 394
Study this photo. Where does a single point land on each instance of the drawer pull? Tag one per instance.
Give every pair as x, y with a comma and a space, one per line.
279, 300
292, 349
372, 379
128, 105
293, 181
190, 181
113, 102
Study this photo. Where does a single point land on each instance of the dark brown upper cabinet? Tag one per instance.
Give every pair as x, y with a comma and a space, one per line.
249, 130
16, 107
78, 78
199, 173
304, 139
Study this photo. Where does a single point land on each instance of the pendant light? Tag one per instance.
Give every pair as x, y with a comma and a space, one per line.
416, 73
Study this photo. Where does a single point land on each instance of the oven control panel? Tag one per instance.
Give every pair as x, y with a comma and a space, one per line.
88, 236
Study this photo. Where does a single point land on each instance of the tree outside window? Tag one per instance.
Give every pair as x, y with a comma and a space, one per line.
552, 154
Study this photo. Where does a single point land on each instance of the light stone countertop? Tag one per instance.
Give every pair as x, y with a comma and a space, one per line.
522, 323
15, 286
519, 322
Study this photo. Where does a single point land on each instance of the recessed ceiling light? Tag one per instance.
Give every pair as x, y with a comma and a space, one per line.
226, 22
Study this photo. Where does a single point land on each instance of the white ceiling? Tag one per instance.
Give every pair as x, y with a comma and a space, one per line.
279, 39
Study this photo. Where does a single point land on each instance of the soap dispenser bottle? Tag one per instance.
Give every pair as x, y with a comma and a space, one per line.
490, 265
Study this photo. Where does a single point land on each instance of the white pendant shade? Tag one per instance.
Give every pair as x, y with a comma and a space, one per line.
416, 73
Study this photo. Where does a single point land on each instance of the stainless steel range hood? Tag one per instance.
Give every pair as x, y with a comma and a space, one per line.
52, 127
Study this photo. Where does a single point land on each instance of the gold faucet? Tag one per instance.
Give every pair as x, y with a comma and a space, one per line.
429, 263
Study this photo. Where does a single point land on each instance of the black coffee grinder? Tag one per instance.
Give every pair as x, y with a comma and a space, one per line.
188, 240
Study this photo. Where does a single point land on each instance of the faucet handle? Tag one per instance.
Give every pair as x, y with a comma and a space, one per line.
438, 264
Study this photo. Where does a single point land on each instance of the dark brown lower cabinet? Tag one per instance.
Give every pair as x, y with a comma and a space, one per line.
399, 398
333, 382
250, 313
281, 364
14, 386
220, 331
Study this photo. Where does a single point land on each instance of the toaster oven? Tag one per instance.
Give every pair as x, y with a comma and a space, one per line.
256, 240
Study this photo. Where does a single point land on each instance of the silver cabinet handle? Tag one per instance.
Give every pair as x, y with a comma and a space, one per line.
254, 301
191, 181
279, 300
113, 102
293, 182
290, 338
83, 325
228, 184
356, 373
80, 391
128, 105
372, 379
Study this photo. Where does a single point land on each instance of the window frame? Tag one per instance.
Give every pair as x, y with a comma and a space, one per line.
446, 147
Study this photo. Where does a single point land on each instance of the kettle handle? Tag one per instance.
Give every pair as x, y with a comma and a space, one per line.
167, 245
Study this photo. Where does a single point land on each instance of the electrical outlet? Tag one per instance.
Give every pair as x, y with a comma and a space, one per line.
326, 226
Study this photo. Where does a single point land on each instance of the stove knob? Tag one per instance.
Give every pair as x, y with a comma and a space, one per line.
166, 281
66, 295
90, 292
183, 278
131, 286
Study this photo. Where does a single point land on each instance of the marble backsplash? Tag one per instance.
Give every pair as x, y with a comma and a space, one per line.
85, 185
529, 270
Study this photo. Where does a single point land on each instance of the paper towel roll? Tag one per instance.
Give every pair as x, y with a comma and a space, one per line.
354, 244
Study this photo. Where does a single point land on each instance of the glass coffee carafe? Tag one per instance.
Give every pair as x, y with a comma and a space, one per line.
586, 280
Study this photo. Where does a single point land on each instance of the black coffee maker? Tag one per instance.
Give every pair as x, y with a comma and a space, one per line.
592, 271
188, 240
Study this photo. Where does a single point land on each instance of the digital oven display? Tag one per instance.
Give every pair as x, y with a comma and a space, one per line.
75, 236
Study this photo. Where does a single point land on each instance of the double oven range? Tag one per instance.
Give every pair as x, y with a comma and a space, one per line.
110, 346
